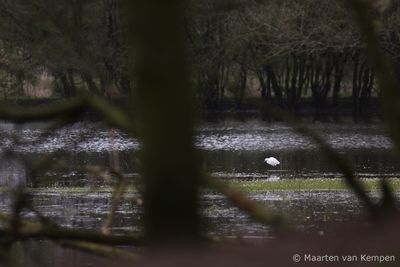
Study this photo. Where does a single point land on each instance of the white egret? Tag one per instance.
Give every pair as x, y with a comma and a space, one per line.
272, 161
273, 178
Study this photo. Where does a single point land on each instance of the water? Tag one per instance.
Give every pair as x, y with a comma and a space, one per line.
309, 211
230, 150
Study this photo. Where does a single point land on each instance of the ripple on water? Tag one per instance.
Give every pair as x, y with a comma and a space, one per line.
231, 136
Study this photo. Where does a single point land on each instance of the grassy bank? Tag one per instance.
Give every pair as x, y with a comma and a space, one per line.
308, 184
246, 186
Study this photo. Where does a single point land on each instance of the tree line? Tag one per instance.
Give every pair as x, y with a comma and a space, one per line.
284, 52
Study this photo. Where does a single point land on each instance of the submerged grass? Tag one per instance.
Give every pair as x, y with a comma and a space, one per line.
247, 186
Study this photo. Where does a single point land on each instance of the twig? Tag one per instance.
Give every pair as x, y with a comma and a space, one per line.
254, 209
117, 195
27, 230
102, 250
383, 68
114, 115
349, 177
53, 111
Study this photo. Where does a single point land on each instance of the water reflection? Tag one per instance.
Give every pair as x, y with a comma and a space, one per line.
300, 164
273, 177
12, 172
309, 211
232, 136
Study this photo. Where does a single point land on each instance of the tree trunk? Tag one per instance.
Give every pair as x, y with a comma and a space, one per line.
339, 73
242, 86
164, 102
274, 85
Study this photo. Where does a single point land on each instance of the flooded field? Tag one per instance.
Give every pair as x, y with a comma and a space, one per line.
230, 150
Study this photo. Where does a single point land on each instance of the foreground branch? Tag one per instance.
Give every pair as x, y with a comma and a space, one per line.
71, 109
28, 230
343, 166
113, 115
53, 111
101, 250
254, 209
350, 179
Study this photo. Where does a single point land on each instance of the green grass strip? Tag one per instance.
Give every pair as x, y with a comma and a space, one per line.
246, 186
308, 185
